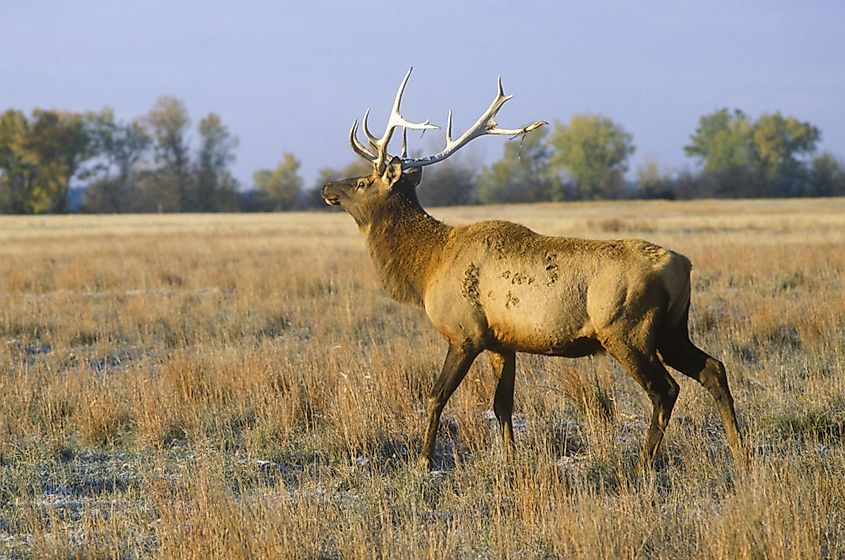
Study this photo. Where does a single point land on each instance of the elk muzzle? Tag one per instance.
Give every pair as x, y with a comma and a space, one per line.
332, 192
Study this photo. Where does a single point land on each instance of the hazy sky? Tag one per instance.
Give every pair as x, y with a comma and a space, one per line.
292, 76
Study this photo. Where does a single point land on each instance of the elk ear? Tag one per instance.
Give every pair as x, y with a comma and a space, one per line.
392, 172
414, 176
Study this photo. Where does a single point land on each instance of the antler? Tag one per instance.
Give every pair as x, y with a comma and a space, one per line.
486, 124
377, 153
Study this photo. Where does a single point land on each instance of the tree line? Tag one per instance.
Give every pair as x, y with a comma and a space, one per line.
58, 161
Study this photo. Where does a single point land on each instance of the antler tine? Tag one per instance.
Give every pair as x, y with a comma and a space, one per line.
404, 153
377, 151
395, 119
486, 124
372, 140
357, 147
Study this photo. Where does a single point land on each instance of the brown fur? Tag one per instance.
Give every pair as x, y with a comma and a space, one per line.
499, 287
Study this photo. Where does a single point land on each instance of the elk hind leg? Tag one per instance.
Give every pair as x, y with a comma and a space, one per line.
504, 363
681, 354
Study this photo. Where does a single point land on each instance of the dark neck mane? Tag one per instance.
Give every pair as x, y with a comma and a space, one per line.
405, 243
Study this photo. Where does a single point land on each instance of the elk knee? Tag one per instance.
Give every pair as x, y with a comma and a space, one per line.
664, 394
673, 390
714, 378
434, 404
663, 400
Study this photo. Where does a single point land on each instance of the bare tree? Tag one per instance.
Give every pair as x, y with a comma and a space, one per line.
168, 123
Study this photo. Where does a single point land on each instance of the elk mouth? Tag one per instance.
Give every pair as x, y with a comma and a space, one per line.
329, 197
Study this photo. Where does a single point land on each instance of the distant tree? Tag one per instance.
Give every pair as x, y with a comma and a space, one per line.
593, 150
19, 193
688, 184
781, 145
62, 142
39, 158
722, 139
449, 183
522, 175
216, 188
827, 176
120, 146
281, 186
101, 161
653, 181
157, 191
753, 158
170, 186
109, 194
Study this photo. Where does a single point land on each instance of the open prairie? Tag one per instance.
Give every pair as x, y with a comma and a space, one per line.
232, 386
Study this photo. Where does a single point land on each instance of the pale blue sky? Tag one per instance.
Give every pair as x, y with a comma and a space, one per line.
292, 76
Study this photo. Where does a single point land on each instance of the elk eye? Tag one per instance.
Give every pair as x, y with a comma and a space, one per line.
360, 185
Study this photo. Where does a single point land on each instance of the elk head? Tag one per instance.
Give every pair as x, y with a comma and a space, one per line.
362, 197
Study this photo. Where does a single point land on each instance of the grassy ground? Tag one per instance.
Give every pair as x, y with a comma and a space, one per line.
240, 386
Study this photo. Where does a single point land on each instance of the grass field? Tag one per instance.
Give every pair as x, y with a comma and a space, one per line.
236, 386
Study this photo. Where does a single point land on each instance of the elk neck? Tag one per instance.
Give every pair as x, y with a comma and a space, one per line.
405, 243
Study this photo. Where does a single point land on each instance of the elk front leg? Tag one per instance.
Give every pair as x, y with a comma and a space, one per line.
456, 366
505, 366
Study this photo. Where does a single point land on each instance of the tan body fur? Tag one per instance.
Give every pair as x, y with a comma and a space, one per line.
499, 287
546, 295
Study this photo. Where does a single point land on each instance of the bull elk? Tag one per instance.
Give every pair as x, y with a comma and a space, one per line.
499, 287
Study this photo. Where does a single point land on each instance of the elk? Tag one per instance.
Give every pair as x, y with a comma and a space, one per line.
499, 287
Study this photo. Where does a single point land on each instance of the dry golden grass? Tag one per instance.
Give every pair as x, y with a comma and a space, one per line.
240, 386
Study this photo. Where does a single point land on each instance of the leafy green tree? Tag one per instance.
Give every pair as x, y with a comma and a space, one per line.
17, 166
522, 175
40, 156
593, 150
779, 141
753, 158
62, 142
722, 143
281, 186
722, 140
780, 144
